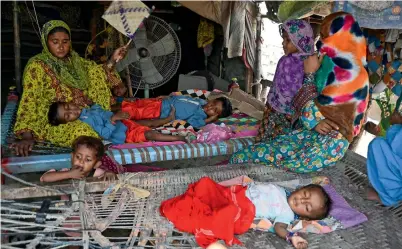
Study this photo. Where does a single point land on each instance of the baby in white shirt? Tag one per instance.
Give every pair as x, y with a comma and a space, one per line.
275, 204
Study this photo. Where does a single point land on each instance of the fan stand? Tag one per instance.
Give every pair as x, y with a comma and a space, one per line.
146, 91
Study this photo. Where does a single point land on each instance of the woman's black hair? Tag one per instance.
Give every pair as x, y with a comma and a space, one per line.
59, 29
226, 107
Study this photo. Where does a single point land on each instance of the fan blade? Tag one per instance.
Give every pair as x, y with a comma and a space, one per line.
164, 46
132, 56
149, 73
140, 37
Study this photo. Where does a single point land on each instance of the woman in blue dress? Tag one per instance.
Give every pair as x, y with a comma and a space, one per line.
384, 163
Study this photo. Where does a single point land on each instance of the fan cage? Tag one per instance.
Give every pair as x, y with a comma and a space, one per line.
166, 65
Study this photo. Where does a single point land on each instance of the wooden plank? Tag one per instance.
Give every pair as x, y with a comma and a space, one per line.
92, 185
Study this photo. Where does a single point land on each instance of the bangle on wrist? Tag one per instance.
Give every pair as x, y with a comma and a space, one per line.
290, 235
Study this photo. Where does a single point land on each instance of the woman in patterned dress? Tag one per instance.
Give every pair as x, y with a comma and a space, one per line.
59, 74
329, 107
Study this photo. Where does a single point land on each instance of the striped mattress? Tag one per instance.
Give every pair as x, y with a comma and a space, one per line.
48, 156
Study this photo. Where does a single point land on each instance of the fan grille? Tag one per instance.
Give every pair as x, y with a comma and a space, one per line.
166, 65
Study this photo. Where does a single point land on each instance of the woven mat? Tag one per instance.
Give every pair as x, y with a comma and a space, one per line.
150, 230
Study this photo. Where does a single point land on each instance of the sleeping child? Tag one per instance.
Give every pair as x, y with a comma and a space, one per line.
115, 128
212, 211
197, 112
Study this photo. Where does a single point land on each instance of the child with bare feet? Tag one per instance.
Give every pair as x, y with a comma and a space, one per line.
116, 128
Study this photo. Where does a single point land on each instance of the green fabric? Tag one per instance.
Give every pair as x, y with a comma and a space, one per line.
71, 70
295, 9
387, 107
322, 73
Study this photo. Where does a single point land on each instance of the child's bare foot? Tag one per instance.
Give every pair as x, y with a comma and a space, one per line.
321, 180
172, 114
372, 195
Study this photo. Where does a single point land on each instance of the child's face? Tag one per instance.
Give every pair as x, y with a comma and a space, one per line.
213, 108
306, 202
287, 44
68, 112
84, 159
120, 90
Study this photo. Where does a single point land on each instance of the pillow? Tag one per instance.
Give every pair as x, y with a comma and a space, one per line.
341, 216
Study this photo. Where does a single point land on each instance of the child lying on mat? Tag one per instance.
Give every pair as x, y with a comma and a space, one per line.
272, 203
115, 128
85, 159
197, 112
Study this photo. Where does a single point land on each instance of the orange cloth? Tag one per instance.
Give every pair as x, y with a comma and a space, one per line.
211, 212
135, 132
142, 108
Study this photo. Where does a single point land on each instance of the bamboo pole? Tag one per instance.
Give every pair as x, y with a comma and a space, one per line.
17, 46
257, 89
128, 78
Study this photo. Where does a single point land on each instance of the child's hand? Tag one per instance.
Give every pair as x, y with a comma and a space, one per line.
108, 176
172, 114
299, 243
325, 126
313, 63
120, 116
76, 173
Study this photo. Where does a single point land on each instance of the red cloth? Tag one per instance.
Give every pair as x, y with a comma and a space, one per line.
140, 109
211, 212
135, 132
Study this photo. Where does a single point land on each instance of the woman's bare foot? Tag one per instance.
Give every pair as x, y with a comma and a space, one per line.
172, 114
372, 195
216, 245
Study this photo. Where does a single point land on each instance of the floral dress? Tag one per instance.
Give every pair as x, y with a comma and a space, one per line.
47, 80
303, 150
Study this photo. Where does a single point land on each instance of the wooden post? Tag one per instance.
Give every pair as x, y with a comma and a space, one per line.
257, 88
17, 47
128, 78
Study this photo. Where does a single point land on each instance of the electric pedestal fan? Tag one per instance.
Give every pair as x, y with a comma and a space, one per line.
153, 56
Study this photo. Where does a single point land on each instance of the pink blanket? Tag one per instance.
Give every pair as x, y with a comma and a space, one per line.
247, 133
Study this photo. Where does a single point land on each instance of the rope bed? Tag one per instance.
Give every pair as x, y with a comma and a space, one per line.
148, 229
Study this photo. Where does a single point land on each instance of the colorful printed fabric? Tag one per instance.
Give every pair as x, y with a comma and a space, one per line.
344, 99
273, 124
387, 106
43, 85
72, 71
303, 150
290, 70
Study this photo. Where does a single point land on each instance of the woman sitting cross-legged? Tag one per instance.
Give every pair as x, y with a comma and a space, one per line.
59, 74
329, 108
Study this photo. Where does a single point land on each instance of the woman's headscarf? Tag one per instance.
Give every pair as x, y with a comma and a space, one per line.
290, 69
301, 34
70, 70
344, 96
